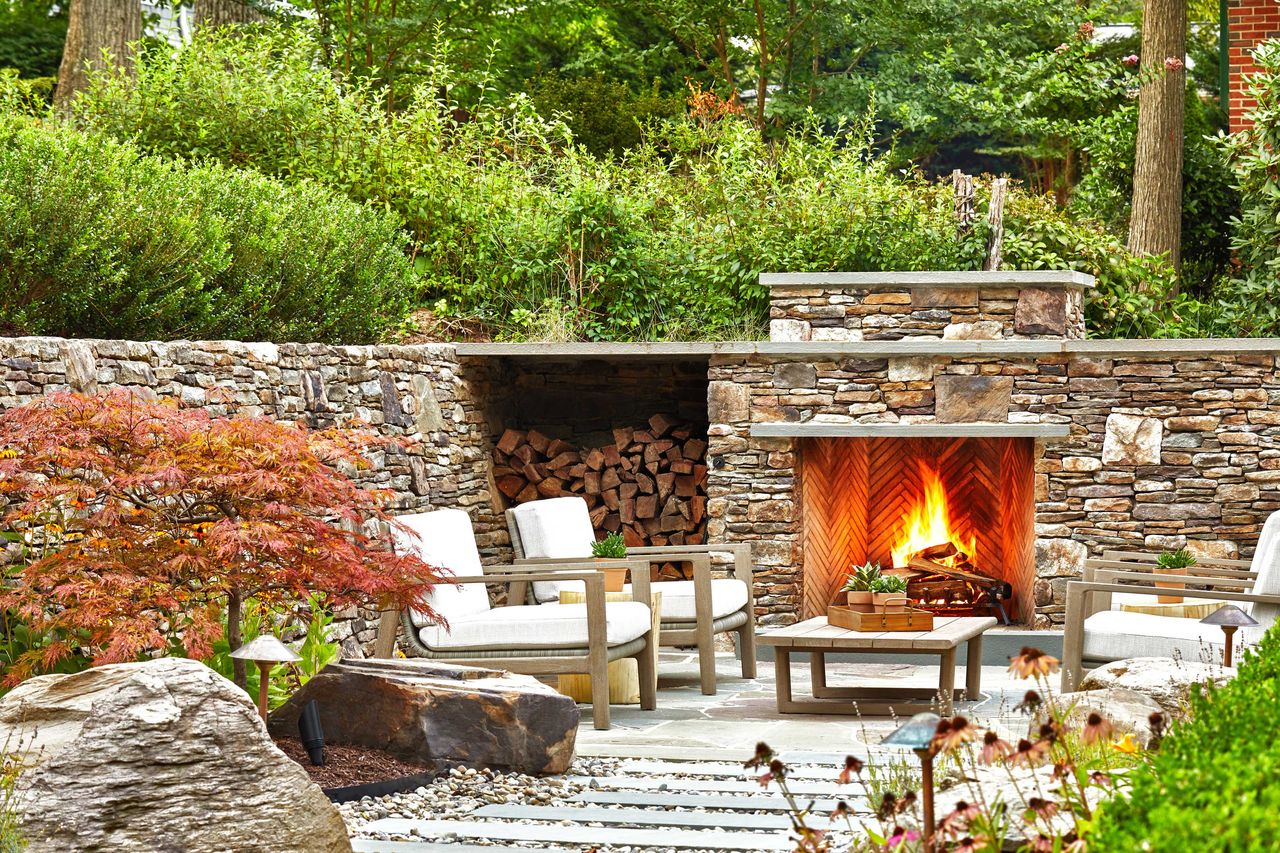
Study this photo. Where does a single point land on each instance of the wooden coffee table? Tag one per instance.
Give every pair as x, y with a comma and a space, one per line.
819, 639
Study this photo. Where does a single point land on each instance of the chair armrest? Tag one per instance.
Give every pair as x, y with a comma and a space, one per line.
1141, 557
741, 552
1146, 580
1198, 570
1092, 586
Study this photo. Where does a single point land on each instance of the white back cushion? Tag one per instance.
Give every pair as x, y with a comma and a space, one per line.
445, 539
1266, 562
555, 528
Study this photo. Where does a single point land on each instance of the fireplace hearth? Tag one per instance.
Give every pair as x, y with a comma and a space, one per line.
953, 516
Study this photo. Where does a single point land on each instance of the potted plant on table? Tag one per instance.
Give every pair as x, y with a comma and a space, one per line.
611, 547
1172, 563
857, 587
889, 592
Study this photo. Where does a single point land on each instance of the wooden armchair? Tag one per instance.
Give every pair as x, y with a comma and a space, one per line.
529, 639
548, 532
1095, 633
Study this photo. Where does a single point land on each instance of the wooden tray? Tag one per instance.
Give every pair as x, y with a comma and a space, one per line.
868, 617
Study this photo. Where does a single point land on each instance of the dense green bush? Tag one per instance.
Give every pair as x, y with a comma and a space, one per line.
604, 115
97, 239
1212, 786
520, 228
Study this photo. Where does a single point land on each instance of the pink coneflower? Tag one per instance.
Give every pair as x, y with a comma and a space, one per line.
1031, 702
957, 820
952, 733
1029, 754
777, 770
1032, 663
994, 749
852, 769
1045, 809
1096, 728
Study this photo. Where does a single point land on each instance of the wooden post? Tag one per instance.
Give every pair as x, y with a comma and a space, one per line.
995, 219
962, 184
264, 679
1227, 632
926, 791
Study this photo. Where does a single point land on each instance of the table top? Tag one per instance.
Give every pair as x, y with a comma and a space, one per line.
947, 633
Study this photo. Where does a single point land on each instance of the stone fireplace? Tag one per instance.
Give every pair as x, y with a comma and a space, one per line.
953, 515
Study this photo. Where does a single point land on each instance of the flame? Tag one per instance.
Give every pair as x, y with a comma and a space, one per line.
928, 522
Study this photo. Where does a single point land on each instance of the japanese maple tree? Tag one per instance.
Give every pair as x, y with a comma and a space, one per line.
149, 524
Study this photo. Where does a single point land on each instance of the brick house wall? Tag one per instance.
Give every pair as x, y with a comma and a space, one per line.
1250, 22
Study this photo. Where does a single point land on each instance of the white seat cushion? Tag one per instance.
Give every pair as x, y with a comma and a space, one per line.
445, 539
1266, 562
1118, 635
553, 529
728, 595
545, 626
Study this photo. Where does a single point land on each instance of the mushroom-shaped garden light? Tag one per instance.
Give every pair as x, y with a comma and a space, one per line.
1228, 618
917, 735
266, 651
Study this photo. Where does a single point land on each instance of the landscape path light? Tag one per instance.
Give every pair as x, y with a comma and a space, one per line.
265, 651
1228, 618
917, 734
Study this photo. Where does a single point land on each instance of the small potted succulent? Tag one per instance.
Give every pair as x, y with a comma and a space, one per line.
889, 592
1173, 563
857, 588
611, 547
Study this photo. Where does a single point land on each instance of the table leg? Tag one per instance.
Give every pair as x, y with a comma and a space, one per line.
818, 673
973, 669
782, 677
947, 680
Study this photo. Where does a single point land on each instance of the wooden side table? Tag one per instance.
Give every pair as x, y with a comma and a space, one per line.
624, 674
818, 639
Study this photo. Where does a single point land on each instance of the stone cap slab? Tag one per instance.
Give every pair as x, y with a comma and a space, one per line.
928, 278
927, 430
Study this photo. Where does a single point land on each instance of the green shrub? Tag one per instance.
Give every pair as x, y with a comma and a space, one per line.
97, 239
1212, 786
604, 115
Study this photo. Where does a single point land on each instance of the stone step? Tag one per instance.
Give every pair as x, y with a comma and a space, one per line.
800, 787
370, 845
727, 770
701, 753
556, 834
642, 799
646, 817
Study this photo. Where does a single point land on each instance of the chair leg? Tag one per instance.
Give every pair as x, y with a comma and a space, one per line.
600, 693
707, 665
747, 649
647, 666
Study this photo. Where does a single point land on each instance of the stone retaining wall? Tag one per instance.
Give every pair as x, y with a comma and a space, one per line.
413, 392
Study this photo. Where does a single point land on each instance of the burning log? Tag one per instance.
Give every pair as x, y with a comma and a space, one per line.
649, 484
955, 590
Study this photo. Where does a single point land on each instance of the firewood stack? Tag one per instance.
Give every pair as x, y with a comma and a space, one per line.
650, 484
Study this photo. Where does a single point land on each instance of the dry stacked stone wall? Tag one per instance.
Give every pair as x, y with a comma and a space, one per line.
411, 392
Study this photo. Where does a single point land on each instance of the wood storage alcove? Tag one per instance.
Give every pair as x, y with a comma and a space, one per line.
860, 495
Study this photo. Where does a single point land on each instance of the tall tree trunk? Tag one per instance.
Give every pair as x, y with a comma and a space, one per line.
235, 639
1155, 223
96, 26
222, 13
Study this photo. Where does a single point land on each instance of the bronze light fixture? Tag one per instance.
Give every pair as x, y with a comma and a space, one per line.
265, 651
1229, 618
916, 734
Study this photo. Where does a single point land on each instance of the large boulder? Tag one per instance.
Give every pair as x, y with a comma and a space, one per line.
1168, 681
425, 711
158, 755
1128, 711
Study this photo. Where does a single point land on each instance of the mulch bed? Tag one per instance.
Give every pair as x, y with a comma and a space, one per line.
351, 765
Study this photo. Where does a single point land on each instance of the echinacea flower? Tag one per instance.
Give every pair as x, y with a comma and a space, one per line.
901, 836
841, 810
852, 768
1031, 702
1096, 728
888, 806
1028, 754
1157, 723
994, 748
1032, 663
777, 770
1044, 809
1127, 744
951, 734
957, 820
764, 754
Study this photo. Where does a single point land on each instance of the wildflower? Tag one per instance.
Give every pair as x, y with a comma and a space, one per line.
841, 810
1096, 728
968, 844
1085, 31
762, 757
1127, 744
1157, 723
777, 770
1030, 702
1102, 780
1044, 809
951, 734
902, 836
994, 748
1173, 63
811, 840
1131, 60
852, 768
888, 806
1028, 754
1032, 663
957, 820
1050, 732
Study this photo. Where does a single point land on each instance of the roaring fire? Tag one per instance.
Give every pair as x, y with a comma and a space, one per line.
928, 523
